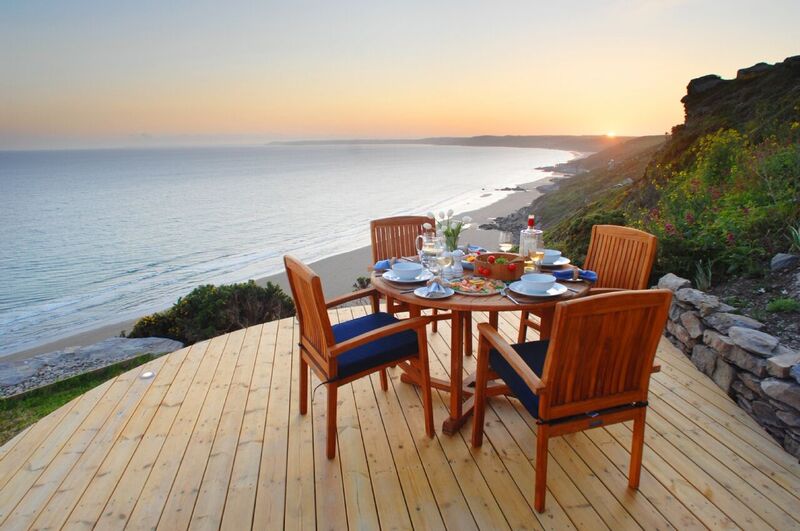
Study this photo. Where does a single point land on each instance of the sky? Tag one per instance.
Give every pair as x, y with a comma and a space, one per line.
105, 73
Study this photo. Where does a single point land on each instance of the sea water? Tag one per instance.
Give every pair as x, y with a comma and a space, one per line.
90, 238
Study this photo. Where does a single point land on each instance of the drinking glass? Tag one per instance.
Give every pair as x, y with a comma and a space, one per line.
432, 249
505, 241
536, 256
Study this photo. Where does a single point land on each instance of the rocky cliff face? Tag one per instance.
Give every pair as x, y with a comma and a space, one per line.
756, 102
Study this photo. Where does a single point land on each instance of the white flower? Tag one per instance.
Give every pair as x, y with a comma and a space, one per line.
441, 215
465, 226
454, 225
431, 215
466, 219
450, 213
427, 226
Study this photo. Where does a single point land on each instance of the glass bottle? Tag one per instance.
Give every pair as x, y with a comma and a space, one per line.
531, 245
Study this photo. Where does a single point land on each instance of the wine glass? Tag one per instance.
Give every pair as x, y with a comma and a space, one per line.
536, 256
505, 241
431, 253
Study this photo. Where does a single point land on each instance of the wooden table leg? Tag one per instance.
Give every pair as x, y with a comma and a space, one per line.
546, 321
493, 318
453, 423
468, 333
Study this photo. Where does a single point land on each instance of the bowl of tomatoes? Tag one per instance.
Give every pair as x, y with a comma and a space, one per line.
502, 266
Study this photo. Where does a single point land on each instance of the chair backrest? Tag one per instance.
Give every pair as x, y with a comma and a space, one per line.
601, 351
396, 237
622, 257
316, 334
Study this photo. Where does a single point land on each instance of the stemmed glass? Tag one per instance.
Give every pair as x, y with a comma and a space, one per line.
505, 241
433, 248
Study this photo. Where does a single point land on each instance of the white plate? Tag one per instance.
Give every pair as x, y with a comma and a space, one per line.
555, 291
423, 292
560, 261
422, 277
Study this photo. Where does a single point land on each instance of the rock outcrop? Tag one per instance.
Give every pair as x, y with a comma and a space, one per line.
23, 375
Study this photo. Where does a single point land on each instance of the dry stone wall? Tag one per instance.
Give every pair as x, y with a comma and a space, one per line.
753, 367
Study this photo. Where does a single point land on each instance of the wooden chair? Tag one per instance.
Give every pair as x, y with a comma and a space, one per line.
341, 353
395, 237
594, 371
622, 257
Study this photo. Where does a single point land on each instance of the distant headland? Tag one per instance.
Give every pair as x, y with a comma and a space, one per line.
583, 143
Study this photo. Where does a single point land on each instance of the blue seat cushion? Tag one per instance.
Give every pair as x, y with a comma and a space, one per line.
533, 354
375, 353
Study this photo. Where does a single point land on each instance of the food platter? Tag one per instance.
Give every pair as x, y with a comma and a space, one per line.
477, 286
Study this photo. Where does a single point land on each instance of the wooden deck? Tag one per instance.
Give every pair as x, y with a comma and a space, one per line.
216, 440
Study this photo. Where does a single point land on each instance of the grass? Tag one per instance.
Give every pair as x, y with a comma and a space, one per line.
20, 411
783, 305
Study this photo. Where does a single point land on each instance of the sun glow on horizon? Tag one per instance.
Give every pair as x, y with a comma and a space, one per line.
611, 134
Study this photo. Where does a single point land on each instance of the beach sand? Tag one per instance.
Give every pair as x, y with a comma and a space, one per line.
338, 272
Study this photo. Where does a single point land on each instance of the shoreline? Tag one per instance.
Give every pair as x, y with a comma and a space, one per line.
338, 272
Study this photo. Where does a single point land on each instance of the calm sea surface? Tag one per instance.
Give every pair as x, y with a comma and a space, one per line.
91, 238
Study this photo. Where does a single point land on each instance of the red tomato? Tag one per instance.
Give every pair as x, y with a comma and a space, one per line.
512, 267
491, 259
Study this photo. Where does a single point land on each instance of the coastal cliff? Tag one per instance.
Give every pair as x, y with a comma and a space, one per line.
722, 191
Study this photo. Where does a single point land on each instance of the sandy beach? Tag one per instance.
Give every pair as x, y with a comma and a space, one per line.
338, 272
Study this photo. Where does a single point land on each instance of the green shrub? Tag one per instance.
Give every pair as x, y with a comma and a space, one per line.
209, 311
783, 305
730, 206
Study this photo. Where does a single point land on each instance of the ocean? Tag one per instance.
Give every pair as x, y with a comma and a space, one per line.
94, 237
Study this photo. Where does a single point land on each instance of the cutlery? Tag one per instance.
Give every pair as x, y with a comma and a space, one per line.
504, 293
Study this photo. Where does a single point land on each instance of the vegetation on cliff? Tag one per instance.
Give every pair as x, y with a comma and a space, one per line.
209, 311
722, 194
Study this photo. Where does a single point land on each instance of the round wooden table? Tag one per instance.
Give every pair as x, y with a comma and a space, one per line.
461, 308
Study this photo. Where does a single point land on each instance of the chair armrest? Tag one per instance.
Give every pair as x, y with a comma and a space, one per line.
360, 294
600, 291
372, 335
530, 378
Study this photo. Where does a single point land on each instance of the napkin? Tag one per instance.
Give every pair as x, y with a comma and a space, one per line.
583, 274
435, 288
475, 248
381, 265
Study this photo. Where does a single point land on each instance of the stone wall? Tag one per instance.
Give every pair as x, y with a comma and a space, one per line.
753, 367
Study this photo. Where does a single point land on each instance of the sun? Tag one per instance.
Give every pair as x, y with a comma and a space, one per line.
611, 134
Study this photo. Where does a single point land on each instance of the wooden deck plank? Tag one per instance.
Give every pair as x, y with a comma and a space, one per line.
216, 440
701, 480
328, 487
73, 487
240, 501
683, 506
185, 398
125, 391
181, 500
736, 484
32, 468
748, 462
80, 459
330, 493
511, 499
417, 489
272, 478
300, 505
216, 479
14, 458
362, 512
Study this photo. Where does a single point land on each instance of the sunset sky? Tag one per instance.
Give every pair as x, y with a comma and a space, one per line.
103, 73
